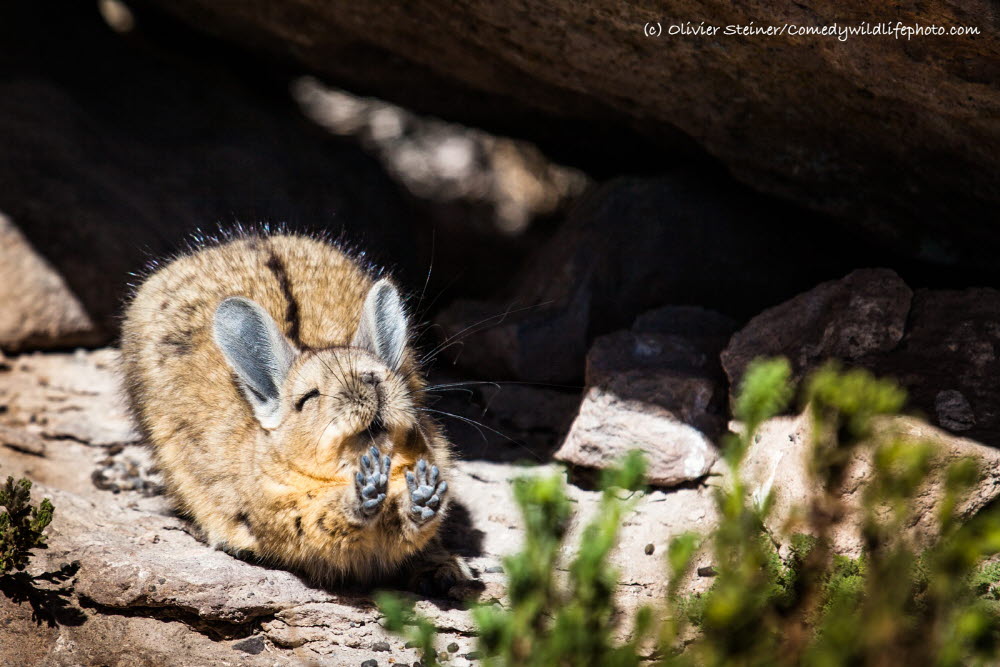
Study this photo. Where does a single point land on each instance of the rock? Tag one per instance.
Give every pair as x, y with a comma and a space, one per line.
852, 319
98, 639
67, 396
635, 244
313, 624
253, 646
778, 462
129, 468
22, 441
862, 140
658, 388
939, 344
608, 427
953, 410
948, 361
39, 309
670, 358
134, 559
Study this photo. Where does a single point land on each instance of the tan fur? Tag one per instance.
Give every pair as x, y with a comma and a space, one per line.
285, 495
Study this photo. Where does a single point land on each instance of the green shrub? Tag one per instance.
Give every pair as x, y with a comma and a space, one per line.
21, 524
550, 621
893, 605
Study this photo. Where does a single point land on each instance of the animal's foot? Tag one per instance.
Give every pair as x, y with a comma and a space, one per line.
439, 574
371, 483
426, 493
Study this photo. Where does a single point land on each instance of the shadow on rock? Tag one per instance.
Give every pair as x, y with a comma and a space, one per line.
458, 535
437, 573
104, 172
50, 606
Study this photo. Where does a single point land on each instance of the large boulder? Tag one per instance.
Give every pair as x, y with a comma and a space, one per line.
939, 344
778, 462
948, 360
658, 388
893, 134
852, 319
39, 310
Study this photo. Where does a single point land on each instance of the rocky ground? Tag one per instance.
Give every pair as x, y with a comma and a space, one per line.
125, 581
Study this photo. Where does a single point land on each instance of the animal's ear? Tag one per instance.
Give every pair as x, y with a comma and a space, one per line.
382, 330
256, 349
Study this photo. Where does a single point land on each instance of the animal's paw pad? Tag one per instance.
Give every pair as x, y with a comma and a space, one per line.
372, 481
426, 493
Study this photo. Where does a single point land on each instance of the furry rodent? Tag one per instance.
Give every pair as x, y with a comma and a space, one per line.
273, 377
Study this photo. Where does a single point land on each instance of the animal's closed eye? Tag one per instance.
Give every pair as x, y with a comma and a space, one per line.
312, 393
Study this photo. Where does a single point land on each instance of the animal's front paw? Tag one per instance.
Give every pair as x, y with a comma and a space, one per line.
371, 483
426, 493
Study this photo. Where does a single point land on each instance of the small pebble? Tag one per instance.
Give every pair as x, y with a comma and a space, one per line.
453, 648
369, 663
707, 571
494, 569
380, 646
253, 646
649, 549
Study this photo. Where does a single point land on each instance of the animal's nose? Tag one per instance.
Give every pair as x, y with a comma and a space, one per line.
371, 378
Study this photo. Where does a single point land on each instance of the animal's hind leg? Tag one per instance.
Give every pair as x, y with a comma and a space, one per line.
436, 572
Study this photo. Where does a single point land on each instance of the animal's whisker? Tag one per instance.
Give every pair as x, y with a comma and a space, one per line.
479, 426
465, 389
475, 328
427, 279
498, 383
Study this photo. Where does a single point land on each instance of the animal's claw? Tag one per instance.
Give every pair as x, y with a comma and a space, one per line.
372, 482
426, 493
